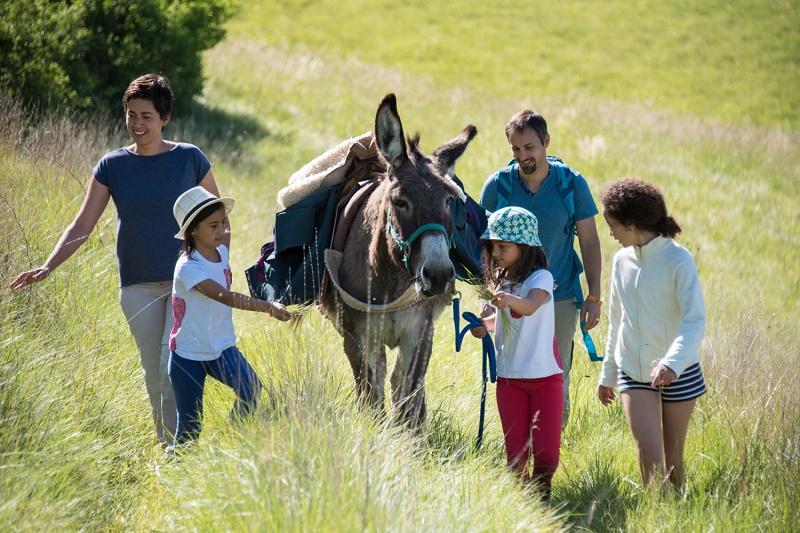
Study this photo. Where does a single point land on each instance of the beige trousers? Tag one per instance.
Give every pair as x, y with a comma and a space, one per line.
148, 309
566, 322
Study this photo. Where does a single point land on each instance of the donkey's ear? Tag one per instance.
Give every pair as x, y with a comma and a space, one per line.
389, 132
447, 154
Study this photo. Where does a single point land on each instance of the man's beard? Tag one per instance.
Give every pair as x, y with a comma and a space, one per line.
528, 169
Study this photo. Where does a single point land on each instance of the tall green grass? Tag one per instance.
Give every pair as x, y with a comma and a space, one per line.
77, 451
737, 61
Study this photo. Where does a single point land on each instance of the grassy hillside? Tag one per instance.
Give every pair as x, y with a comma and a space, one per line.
737, 61
698, 97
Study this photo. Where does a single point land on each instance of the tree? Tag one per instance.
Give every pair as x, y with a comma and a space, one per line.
81, 55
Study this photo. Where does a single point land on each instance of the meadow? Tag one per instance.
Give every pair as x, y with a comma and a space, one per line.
699, 97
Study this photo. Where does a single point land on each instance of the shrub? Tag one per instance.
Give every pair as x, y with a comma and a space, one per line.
82, 55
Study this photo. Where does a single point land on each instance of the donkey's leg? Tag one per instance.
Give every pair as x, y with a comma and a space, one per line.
408, 376
369, 371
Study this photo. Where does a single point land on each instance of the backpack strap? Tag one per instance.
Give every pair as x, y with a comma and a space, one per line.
566, 189
504, 185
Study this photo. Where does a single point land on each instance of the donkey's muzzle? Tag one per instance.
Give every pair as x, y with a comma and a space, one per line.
437, 281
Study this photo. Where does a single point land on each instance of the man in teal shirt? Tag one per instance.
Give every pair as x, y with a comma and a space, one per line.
534, 186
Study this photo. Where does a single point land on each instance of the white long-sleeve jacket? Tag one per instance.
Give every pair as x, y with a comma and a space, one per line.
656, 311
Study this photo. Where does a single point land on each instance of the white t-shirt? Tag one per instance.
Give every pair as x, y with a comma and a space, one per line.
203, 327
526, 345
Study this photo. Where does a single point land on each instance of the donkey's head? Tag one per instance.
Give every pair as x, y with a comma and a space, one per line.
417, 204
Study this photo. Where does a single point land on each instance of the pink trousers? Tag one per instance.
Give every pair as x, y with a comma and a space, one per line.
531, 411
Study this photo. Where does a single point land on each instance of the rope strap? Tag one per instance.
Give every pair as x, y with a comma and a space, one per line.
587, 340
489, 359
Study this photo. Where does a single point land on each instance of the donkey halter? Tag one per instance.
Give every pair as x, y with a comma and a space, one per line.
405, 246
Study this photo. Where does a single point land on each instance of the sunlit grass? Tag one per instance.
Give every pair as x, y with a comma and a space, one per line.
77, 451
731, 60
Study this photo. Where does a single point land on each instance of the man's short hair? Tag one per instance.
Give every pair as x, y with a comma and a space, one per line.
527, 119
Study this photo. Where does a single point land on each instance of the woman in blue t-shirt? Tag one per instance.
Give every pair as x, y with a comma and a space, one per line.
144, 179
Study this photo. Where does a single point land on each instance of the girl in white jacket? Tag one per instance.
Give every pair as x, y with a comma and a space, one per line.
656, 323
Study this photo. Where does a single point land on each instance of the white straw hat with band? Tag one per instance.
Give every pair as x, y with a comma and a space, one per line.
190, 203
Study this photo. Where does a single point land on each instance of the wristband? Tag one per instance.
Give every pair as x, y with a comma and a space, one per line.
591, 298
271, 307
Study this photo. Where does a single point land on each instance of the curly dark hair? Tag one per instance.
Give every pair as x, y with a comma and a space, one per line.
635, 202
153, 88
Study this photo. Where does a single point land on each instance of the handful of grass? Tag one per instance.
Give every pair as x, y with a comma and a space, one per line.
299, 311
484, 293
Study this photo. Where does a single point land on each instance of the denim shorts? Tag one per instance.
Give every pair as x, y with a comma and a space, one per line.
689, 386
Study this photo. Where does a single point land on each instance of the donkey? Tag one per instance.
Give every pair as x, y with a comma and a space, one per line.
397, 245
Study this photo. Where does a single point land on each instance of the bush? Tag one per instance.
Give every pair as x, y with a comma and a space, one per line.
82, 55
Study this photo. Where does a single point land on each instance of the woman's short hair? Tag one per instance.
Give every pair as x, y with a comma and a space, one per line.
153, 88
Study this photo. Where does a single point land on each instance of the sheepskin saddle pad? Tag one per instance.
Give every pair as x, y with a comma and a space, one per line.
327, 170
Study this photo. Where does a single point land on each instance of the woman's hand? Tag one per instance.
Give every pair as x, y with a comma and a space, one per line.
29, 278
662, 375
606, 394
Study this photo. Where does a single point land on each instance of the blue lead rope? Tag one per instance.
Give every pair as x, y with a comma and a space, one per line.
489, 359
587, 340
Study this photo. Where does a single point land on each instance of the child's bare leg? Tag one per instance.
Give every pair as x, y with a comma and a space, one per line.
676, 416
643, 411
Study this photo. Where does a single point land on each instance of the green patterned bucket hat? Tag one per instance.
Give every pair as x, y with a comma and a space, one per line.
513, 224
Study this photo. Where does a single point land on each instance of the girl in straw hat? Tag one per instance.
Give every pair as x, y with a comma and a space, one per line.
203, 341
530, 394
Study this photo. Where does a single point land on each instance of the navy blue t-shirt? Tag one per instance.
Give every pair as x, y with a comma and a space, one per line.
144, 189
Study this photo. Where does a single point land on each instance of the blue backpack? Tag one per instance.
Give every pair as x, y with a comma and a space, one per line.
566, 189
291, 267
469, 221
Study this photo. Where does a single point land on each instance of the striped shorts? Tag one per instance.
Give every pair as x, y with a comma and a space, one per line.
689, 386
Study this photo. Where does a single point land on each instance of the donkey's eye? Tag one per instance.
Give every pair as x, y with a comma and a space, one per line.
448, 201
399, 203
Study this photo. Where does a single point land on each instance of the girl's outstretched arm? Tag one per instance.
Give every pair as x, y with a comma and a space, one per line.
215, 291
524, 306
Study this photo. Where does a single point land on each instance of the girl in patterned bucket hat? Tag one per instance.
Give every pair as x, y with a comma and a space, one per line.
530, 394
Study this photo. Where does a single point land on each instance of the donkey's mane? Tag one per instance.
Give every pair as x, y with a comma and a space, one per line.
413, 147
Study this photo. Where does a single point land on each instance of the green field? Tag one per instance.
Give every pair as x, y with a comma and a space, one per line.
700, 97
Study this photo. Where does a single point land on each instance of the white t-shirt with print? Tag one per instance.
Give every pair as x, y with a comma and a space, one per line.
203, 327
526, 345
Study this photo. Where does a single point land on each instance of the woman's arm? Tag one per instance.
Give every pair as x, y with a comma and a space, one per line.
94, 203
